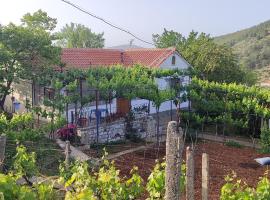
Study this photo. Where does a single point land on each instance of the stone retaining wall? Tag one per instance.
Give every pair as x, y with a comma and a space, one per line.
145, 127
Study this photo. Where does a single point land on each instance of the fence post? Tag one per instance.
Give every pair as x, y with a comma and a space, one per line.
67, 153
3, 139
189, 174
205, 176
174, 148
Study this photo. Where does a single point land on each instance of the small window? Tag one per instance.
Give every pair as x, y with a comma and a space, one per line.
173, 60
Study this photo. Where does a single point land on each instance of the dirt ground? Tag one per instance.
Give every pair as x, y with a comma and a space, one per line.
112, 148
223, 160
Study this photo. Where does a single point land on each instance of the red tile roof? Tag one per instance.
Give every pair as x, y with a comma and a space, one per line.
86, 57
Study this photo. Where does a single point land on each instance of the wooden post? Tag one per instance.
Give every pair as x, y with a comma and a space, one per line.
174, 148
3, 140
67, 153
189, 174
205, 176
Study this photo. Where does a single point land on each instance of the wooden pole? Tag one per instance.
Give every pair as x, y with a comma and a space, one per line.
205, 176
174, 148
67, 153
3, 140
189, 174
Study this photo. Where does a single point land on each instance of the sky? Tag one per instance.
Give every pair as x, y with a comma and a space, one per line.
146, 17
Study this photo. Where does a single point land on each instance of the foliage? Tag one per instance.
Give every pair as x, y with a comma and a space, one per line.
251, 45
265, 140
39, 19
11, 190
79, 36
156, 181
24, 135
25, 167
26, 51
231, 105
81, 182
237, 189
19, 127
24, 163
130, 132
232, 143
46, 191
210, 61
104, 184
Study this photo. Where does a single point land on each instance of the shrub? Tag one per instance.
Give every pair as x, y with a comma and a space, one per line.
232, 143
104, 184
24, 135
156, 181
25, 167
265, 140
19, 127
21, 121
236, 189
24, 163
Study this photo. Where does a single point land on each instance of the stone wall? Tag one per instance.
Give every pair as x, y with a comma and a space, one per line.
145, 127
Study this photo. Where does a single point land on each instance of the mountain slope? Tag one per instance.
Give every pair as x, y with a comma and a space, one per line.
252, 45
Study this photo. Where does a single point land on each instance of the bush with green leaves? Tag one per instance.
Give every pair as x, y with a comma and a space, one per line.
81, 182
24, 167
11, 190
265, 140
156, 181
24, 163
236, 189
19, 127
105, 184
16, 123
232, 143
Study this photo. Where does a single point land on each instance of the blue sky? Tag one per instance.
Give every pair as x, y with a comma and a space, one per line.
145, 17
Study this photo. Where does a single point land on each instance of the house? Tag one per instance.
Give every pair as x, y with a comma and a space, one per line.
166, 58
84, 58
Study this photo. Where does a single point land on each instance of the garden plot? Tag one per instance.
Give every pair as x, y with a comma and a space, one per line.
223, 160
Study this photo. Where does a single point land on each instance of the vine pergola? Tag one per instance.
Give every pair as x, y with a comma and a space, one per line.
107, 83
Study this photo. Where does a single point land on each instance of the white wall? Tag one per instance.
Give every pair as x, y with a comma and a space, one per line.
180, 62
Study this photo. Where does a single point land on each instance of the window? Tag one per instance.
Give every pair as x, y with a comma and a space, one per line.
173, 60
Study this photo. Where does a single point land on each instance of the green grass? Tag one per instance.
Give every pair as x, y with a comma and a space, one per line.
232, 143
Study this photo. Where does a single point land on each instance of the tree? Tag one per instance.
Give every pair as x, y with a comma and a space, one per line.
79, 36
209, 60
158, 96
26, 51
39, 19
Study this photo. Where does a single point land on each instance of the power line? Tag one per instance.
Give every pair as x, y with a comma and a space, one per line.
105, 21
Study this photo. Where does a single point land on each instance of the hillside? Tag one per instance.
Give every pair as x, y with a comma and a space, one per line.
252, 45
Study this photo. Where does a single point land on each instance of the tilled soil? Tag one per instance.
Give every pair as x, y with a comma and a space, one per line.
223, 160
